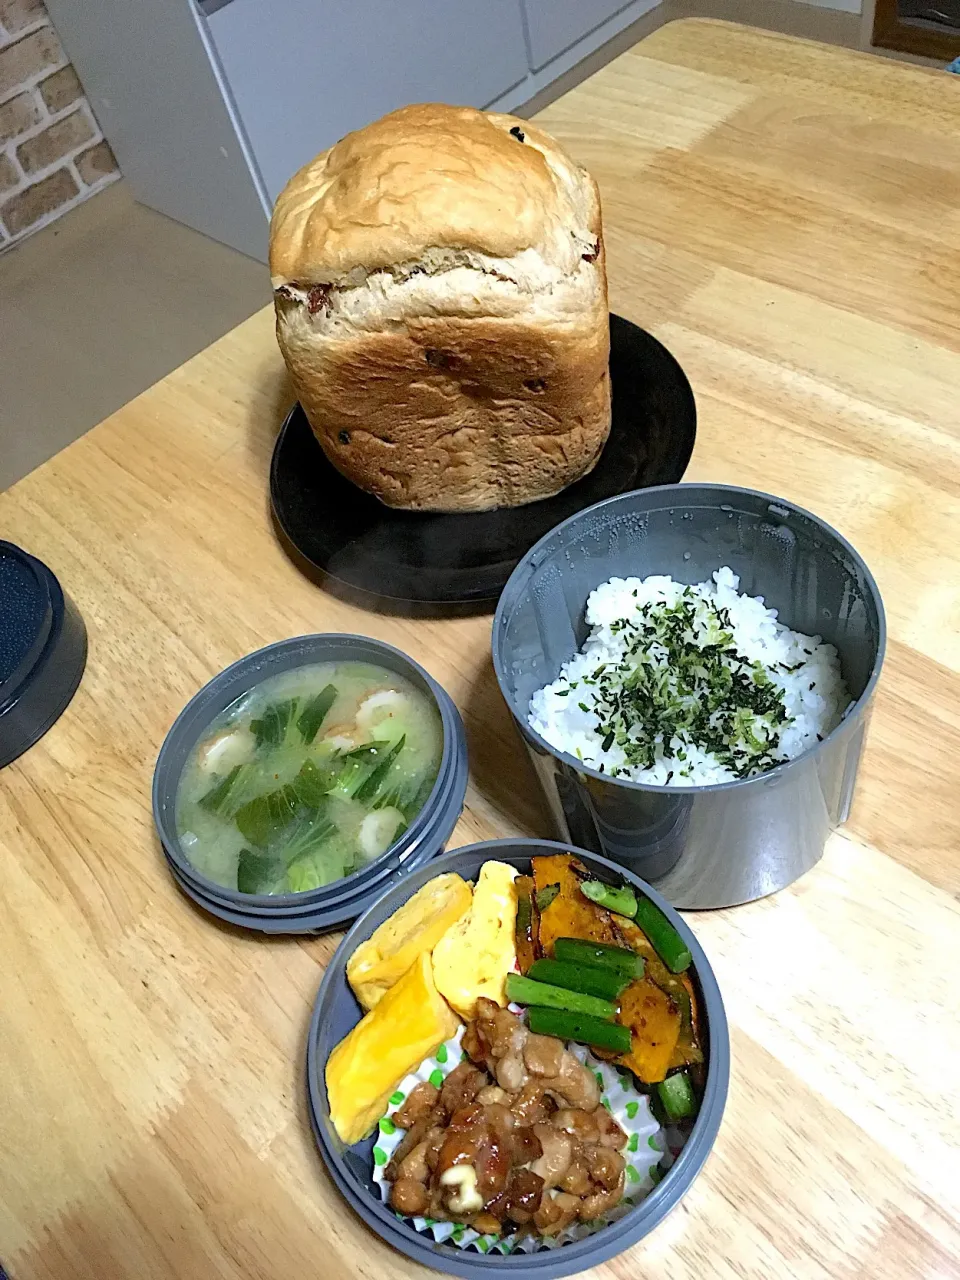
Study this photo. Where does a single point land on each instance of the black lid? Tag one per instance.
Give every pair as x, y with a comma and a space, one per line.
43, 649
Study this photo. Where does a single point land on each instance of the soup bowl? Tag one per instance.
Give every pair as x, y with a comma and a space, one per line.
332, 904
724, 843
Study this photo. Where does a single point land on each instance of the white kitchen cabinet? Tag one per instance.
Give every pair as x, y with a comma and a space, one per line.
158, 95
555, 25
211, 105
305, 72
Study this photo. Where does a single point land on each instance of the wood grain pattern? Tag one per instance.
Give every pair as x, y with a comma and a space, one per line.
784, 217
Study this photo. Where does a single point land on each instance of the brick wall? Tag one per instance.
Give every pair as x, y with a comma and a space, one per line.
52, 153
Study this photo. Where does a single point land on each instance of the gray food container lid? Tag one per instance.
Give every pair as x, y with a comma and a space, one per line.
336, 1011
345, 899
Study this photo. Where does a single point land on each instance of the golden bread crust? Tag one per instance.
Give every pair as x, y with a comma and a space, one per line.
440, 288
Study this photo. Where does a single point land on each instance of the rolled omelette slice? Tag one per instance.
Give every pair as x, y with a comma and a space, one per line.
414, 928
407, 1025
474, 956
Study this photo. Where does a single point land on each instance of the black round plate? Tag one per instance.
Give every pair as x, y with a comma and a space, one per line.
465, 559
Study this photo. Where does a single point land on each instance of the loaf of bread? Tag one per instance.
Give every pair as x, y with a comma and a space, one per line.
441, 301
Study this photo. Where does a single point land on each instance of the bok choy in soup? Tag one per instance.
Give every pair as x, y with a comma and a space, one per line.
308, 777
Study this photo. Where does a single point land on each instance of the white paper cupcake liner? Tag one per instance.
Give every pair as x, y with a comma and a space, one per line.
649, 1151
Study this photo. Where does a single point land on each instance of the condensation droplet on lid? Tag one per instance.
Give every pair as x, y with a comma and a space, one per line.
686, 555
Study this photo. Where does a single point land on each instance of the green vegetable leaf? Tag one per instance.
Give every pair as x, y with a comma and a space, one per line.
262, 819
367, 791
359, 765
257, 872
366, 751
272, 727
303, 876
423, 792
312, 784
215, 798
546, 895
409, 796
221, 798
315, 712
305, 839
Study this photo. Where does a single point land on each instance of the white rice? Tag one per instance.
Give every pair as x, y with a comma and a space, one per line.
573, 713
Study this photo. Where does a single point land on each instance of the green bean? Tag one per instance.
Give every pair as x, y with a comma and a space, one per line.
591, 979
582, 951
578, 1027
525, 933
664, 939
676, 1094
528, 991
622, 901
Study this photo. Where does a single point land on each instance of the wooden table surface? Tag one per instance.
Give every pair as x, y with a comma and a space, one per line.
785, 217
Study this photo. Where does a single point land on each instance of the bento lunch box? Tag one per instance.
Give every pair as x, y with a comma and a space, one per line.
337, 1011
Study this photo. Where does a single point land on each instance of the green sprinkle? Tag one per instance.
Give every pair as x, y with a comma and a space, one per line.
380, 1156
429, 1222
681, 682
397, 1098
655, 1173
387, 1126
634, 1142
606, 1102
652, 1142
436, 1078
632, 1175
599, 1078
632, 1109
442, 1054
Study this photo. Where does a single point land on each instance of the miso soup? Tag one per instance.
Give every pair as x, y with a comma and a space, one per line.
308, 777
